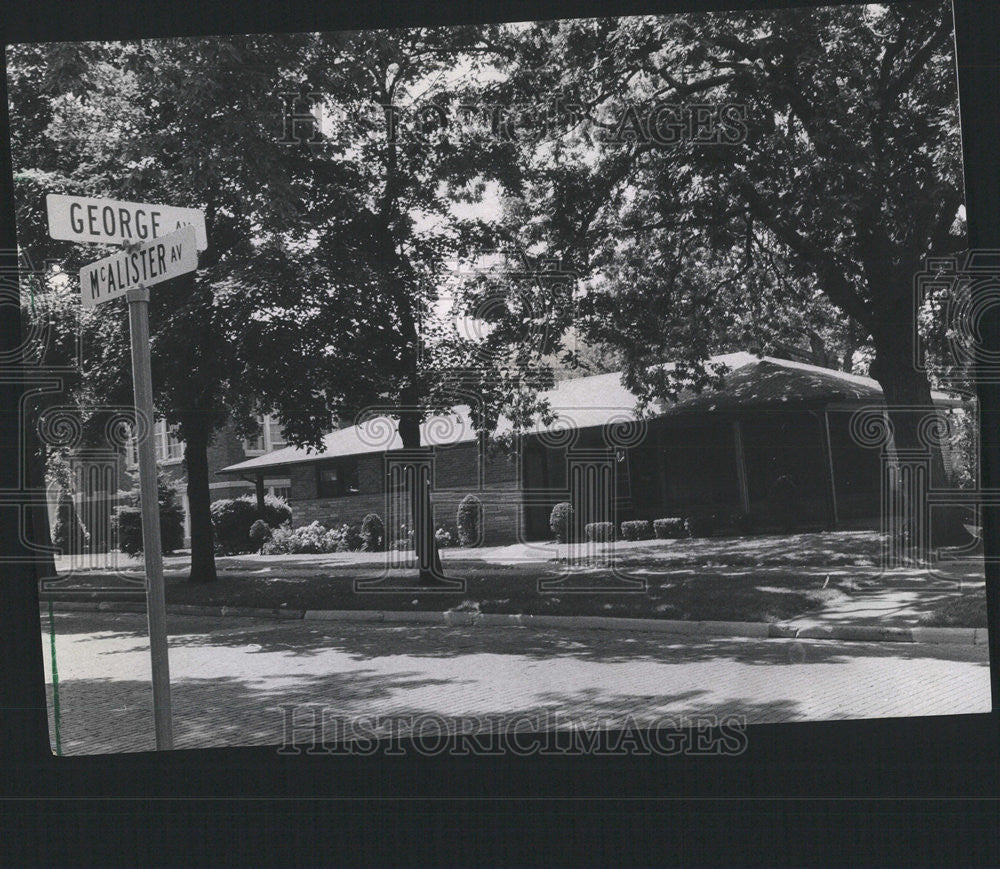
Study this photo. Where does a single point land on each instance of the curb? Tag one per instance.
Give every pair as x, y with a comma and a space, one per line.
740, 630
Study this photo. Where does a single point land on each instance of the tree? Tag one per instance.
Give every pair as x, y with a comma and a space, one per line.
840, 174
370, 337
180, 122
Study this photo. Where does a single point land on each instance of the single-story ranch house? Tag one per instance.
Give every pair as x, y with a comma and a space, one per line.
719, 454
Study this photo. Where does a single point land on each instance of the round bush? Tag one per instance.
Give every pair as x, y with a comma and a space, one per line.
561, 520
373, 533
259, 532
446, 535
470, 521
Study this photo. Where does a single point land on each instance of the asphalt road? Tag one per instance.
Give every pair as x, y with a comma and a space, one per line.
241, 681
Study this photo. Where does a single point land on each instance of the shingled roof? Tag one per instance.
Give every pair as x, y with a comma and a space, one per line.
752, 382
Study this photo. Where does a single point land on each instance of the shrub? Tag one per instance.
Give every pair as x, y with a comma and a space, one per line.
355, 541
69, 533
127, 520
335, 539
260, 531
232, 519
404, 538
670, 529
276, 510
561, 521
470, 521
638, 529
373, 533
700, 526
312, 539
446, 535
599, 532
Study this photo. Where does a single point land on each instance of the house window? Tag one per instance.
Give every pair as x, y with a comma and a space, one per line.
269, 438
337, 480
167, 447
275, 436
284, 492
175, 446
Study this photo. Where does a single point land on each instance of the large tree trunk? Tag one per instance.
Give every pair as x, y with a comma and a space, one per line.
199, 504
910, 408
421, 510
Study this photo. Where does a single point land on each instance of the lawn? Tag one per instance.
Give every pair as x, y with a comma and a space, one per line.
768, 578
967, 610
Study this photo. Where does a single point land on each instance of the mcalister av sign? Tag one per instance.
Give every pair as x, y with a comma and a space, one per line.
152, 263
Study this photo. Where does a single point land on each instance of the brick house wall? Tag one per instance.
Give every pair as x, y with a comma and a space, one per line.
456, 474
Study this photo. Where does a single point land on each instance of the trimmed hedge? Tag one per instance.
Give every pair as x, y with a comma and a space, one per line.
637, 529
232, 519
561, 521
470, 521
600, 532
670, 529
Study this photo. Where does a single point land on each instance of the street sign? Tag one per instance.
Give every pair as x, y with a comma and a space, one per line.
110, 221
152, 263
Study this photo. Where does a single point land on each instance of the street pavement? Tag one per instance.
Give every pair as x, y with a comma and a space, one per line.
234, 679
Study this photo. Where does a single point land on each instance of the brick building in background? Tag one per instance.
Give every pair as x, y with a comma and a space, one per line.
98, 482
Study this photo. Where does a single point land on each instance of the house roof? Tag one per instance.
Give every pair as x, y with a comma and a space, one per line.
752, 382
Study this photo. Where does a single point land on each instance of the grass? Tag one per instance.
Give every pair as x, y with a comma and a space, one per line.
755, 579
688, 595
967, 610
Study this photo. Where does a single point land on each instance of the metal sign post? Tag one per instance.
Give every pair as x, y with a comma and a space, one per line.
138, 320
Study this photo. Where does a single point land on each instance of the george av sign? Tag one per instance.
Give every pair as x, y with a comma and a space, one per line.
110, 221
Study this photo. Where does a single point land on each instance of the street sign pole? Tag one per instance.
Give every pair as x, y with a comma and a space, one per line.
138, 317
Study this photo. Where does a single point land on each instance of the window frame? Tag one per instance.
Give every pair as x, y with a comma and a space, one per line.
266, 422
347, 468
163, 440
